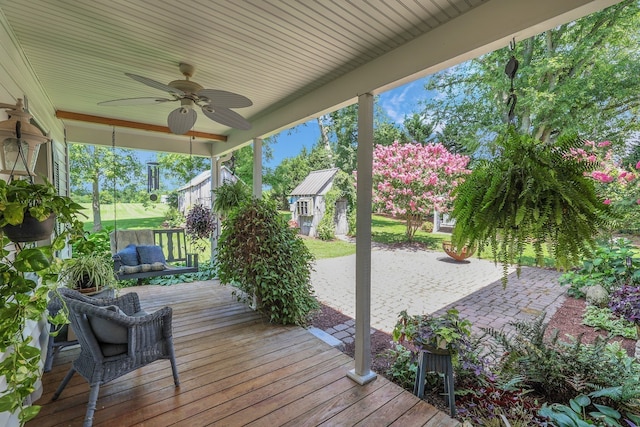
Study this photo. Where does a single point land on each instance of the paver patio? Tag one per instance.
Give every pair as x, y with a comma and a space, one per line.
423, 281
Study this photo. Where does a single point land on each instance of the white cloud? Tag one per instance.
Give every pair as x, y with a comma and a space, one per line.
403, 100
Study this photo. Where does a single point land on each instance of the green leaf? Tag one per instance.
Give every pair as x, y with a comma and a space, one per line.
608, 411
31, 260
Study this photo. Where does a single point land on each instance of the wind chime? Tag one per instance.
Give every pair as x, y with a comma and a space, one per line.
153, 180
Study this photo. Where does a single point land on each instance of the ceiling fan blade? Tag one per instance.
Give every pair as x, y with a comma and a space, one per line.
181, 120
226, 117
135, 101
222, 98
155, 84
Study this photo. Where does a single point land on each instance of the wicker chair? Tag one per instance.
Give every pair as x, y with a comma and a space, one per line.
115, 341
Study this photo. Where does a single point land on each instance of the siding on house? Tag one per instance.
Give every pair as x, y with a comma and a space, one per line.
198, 190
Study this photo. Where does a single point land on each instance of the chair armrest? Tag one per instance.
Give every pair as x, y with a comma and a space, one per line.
128, 303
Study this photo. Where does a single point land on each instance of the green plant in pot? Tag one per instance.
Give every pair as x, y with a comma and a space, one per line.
268, 262
24, 206
530, 192
27, 275
90, 272
442, 334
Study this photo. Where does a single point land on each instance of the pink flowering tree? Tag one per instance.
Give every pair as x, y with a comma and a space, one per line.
617, 184
413, 180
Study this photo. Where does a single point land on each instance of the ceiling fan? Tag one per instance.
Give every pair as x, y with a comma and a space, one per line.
215, 104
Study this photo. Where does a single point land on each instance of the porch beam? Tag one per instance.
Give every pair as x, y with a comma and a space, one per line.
132, 125
362, 373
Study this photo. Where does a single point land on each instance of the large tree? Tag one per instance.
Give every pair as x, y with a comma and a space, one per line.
97, 166
580, 77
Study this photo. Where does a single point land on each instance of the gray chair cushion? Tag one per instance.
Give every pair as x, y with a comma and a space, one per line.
107, 331
149, 254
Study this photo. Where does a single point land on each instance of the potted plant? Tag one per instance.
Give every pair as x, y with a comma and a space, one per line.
530, 193
88, 273
28, 210
267, 262
29, 274
444, 334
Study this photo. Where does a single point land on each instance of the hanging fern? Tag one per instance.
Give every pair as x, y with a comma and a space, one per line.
531, 192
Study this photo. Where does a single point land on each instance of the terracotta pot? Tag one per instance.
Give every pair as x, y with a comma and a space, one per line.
31, 230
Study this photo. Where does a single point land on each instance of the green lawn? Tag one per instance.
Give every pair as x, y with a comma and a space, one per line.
127, 215
383, 230
393, 231
336, 248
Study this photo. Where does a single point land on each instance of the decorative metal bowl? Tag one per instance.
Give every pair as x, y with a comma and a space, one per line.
465, 253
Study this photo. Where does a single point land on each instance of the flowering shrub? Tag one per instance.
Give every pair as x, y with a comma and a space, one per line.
618, 185
411, 180
625, 302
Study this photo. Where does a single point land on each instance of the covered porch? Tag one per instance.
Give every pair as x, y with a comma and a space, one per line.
235, 369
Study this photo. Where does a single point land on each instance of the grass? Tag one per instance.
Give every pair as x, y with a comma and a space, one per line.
384, 230
390, 231
329, 249
127, 215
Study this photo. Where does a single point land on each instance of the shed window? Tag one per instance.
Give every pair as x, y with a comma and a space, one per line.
304, 207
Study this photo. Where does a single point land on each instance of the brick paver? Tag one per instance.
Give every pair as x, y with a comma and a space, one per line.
422, 281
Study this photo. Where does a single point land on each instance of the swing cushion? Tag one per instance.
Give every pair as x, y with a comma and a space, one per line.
150, 254
129, 255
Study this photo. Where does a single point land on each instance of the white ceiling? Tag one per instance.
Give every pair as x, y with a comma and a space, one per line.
293, 59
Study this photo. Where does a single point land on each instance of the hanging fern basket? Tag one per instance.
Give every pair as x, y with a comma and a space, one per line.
531, 193
30, 230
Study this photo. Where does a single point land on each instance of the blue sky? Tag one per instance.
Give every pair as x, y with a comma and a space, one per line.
396, 103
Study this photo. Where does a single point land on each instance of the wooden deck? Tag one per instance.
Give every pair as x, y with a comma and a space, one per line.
235, 369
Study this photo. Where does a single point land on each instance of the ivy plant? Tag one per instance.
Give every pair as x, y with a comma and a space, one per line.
27, 275
530, 192
265, 259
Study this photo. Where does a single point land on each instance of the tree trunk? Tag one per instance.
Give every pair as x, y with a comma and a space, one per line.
324, 135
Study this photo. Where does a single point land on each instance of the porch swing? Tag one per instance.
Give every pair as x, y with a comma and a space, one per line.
143, 253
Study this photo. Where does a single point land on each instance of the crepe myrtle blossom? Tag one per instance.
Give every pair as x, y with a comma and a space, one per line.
618, 184
412, 180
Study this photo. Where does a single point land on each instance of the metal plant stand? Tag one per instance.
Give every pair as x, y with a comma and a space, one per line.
440, 362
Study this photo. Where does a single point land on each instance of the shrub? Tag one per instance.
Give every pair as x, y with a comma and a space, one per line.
173, 217
404, 366
557, 369
602, 318
625, 302
265, 259
427, 226
607, 267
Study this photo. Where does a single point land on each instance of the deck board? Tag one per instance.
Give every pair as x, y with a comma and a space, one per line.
235, 369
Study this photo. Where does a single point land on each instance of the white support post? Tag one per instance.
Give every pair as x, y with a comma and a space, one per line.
362, 373
257, 168
216, 165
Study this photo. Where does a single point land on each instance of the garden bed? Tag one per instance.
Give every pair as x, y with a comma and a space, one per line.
567, 320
